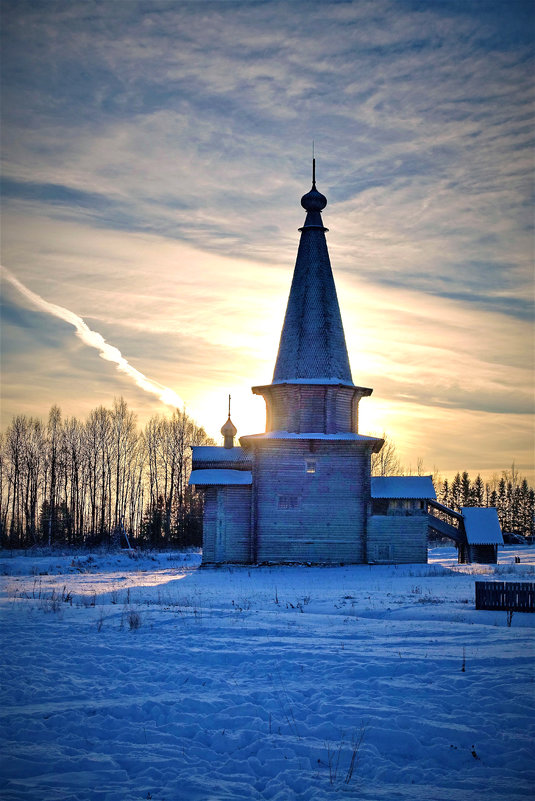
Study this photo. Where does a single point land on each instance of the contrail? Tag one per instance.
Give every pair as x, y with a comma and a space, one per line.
97, 341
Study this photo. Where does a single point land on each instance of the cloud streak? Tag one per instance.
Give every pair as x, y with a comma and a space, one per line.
95, 340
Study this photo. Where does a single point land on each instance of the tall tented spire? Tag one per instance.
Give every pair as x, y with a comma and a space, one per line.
312, 344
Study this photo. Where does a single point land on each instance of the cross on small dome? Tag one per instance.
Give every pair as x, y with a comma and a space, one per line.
229, 430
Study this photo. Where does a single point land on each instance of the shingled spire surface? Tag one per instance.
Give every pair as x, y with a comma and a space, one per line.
312, 346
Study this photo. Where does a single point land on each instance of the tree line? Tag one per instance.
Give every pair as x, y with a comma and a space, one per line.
511, 494
104, 479
99, 480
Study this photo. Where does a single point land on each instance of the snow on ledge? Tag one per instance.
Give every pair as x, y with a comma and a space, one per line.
217, 453
406, 487
215, 477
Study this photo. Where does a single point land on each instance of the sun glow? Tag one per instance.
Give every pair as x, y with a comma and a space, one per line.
248, 411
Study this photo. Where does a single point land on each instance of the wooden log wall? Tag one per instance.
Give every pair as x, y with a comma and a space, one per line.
397, 539
209, 525
302, 408
227, 525
306, 516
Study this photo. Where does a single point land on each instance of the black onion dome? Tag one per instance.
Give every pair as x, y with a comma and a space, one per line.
313, 200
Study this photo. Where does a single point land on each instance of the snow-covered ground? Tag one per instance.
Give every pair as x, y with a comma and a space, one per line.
148, 678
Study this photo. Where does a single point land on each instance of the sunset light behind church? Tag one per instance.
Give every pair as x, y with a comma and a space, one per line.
151, 170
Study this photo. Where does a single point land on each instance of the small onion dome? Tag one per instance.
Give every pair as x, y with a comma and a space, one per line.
229, 429
313, 200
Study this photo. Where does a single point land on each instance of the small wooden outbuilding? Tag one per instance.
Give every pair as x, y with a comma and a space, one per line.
483, 535
398, 524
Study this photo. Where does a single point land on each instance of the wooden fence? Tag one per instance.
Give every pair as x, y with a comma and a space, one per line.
514, 596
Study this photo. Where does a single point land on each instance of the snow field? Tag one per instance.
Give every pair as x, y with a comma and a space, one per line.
148, 678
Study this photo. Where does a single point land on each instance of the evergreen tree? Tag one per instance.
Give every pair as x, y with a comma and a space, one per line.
529, 514
466, 490
501, 503
509, 507
478, 492
456, 493
445, 493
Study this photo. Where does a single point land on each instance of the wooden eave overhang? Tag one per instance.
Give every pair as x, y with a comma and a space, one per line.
360, 441
363, 392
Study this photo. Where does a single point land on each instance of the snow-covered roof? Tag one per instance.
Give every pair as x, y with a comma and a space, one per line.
290, 435
407, 487
220, 478
213, 453
482, 525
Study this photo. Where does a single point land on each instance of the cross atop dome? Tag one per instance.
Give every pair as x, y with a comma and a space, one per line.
229, 430
313, 200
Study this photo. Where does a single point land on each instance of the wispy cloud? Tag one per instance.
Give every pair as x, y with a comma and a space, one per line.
420, 111
95, 340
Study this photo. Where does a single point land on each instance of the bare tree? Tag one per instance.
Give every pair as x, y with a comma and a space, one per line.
386, 462
76, 466
97, 445
4, 491
53, 442
33, 458
124, 444
15, 444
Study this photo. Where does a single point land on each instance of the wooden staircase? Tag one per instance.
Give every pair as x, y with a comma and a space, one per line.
454, 529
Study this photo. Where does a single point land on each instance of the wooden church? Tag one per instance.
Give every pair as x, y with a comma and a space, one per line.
302, 491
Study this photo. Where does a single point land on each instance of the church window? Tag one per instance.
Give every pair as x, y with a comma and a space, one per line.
379, 506
288, 501
384, 553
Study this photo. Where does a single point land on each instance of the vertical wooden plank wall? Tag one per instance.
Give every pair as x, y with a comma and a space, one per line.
209, 525
237, 523
226, 524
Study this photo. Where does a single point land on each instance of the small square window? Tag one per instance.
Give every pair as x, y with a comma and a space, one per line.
288, 501
310, 466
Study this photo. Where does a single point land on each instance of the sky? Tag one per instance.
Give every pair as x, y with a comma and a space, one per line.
154, 157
